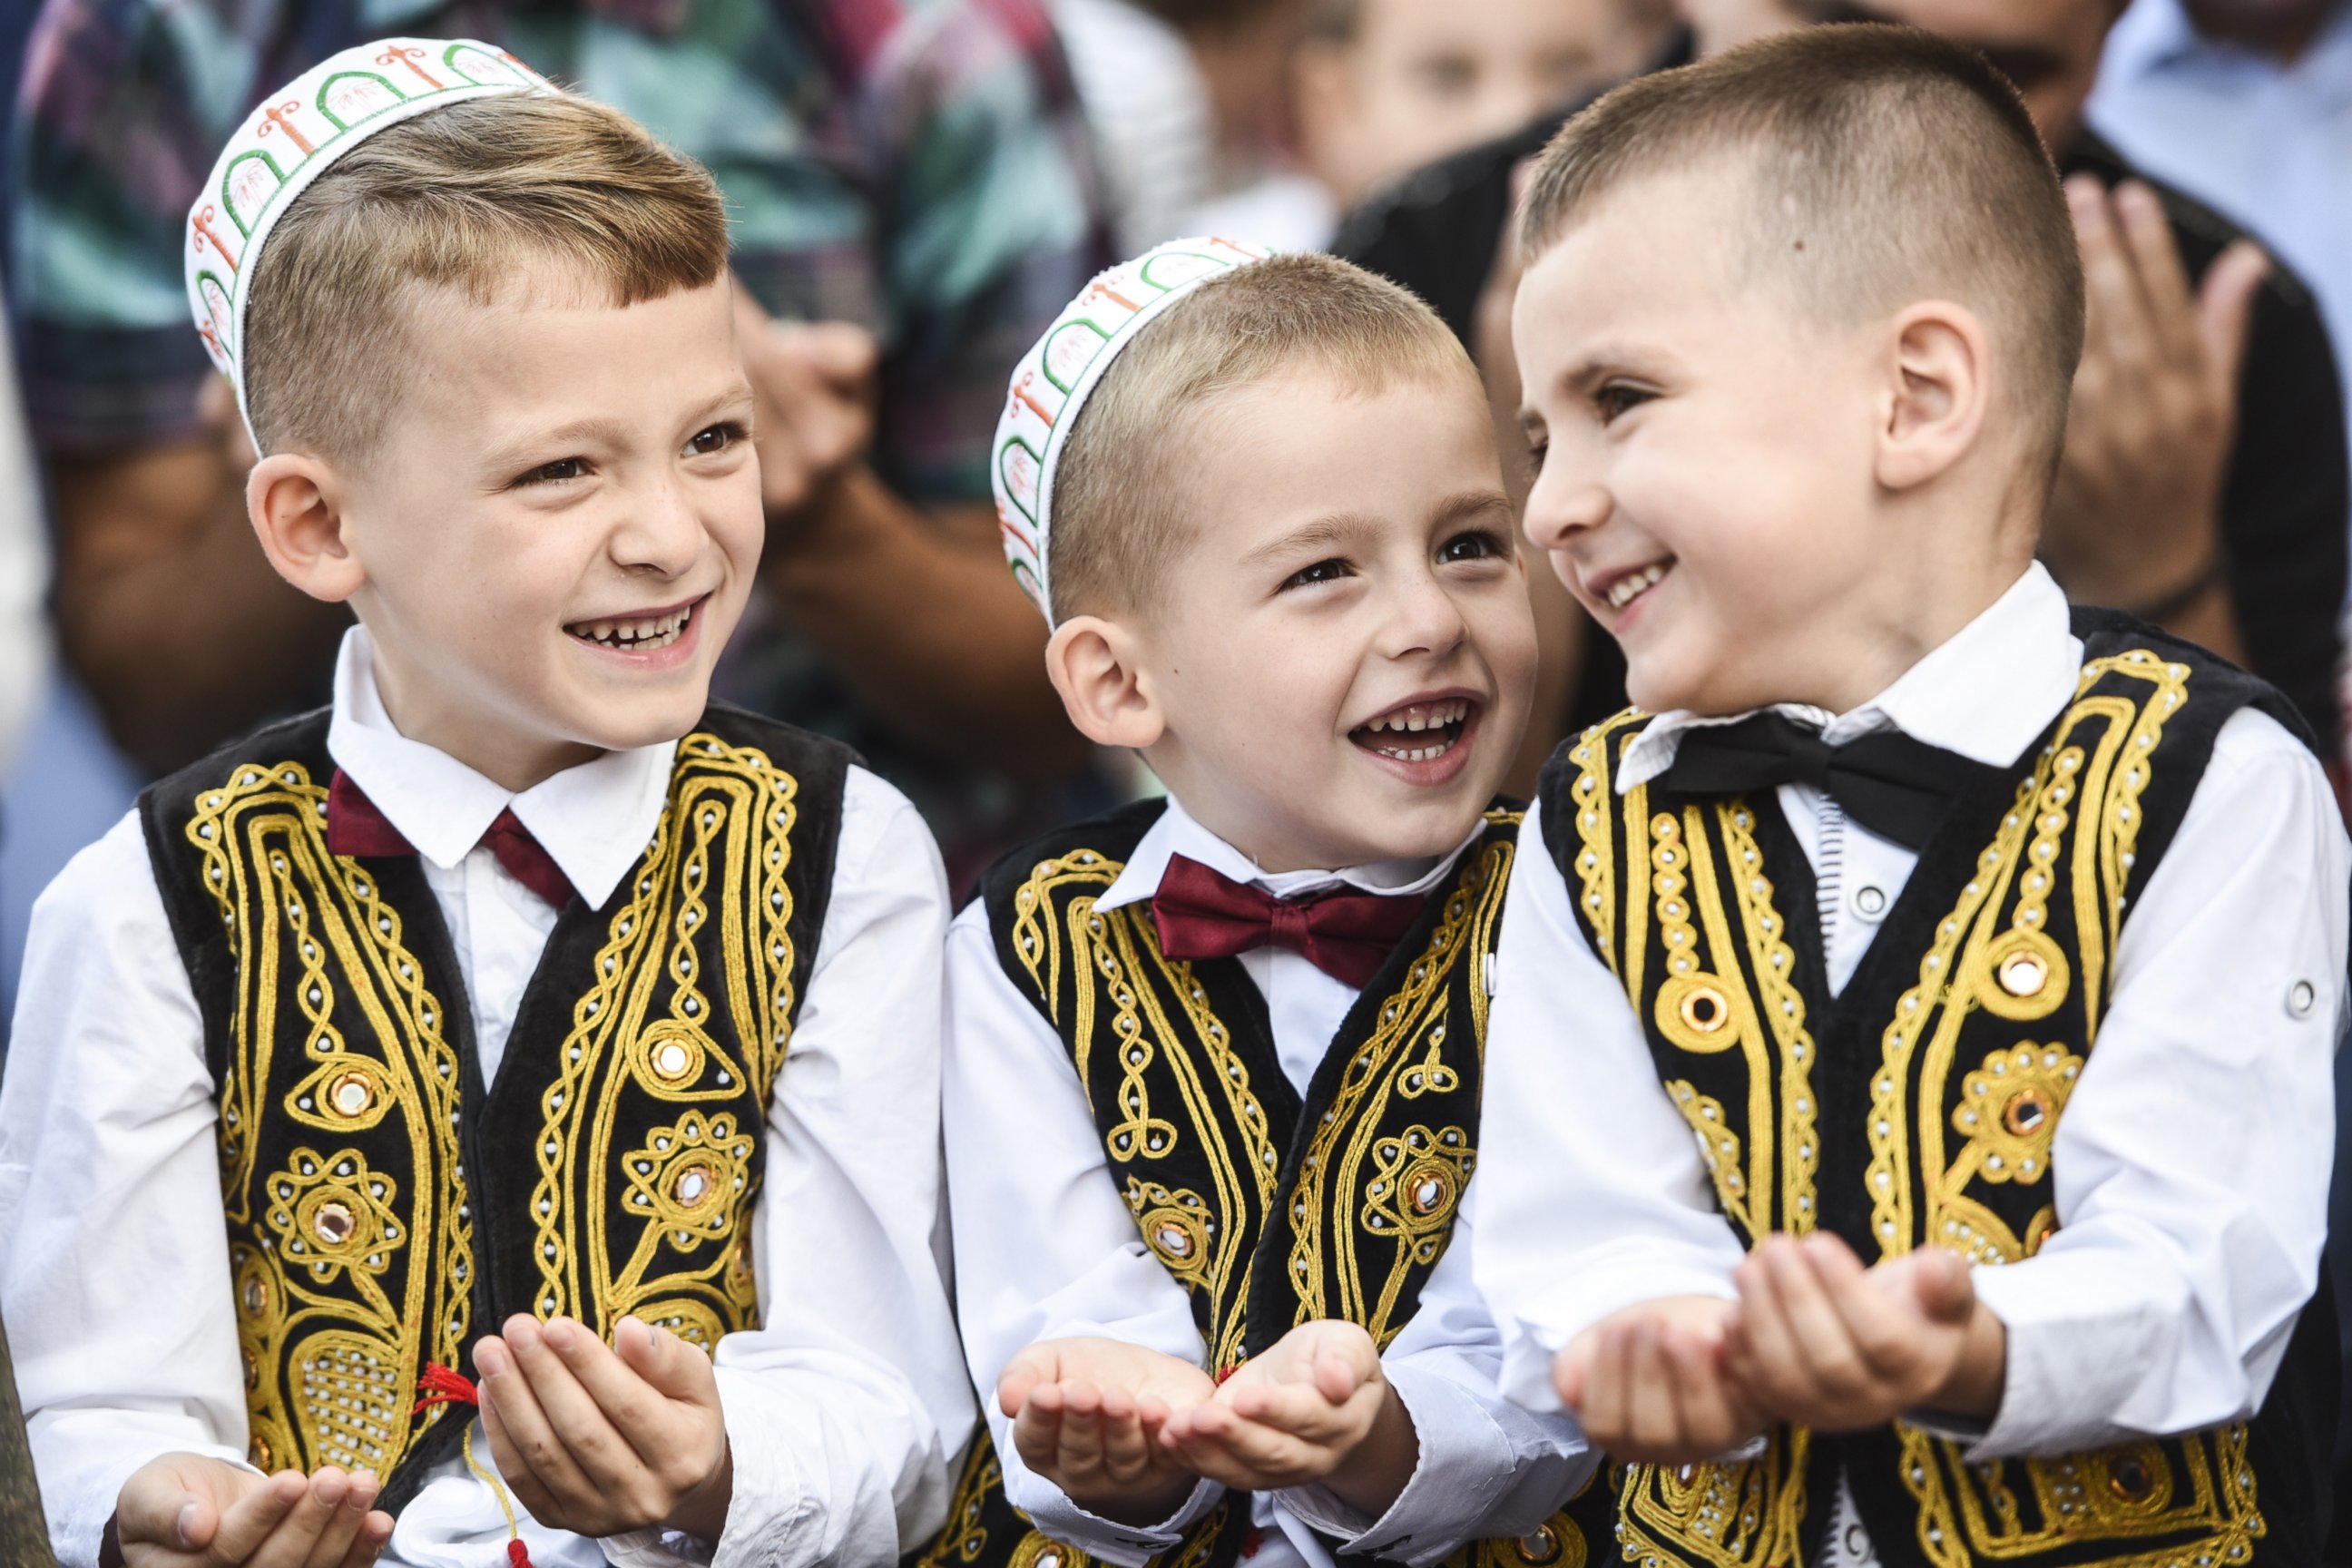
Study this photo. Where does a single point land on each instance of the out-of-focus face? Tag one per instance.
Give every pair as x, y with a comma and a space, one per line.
2050, 49
1343, 656
1422, 78
559, 525
1705, 482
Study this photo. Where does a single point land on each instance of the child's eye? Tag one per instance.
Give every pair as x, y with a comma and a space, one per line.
556, 472
1477, 545
1616, 400
1329, 571
1536, 451
717, 438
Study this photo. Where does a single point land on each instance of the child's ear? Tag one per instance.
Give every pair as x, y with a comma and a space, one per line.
1937, 386
294, 503
1094, 665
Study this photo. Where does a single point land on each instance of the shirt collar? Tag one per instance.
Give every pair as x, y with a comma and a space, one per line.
1178, 832
2152, 34
593, 820
1985, 692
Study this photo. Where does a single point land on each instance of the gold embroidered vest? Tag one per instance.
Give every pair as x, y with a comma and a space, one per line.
1269, 1208
385, 1205
1917, 1106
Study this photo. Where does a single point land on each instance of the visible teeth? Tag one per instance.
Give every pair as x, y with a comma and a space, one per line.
1422, 716
1623, 591
638, 633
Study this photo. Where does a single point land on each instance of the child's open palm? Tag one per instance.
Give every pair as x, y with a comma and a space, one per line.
1087, 1415
1314, 1407
185, 1511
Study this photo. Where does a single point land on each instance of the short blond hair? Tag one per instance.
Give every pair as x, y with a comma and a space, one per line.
459, 198
1121, 508
1884, 165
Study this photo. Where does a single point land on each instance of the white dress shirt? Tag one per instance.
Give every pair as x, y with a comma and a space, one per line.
2191, 1165
114, 1276
1045, 1248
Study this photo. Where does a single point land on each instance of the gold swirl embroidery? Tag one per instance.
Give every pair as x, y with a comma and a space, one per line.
2008, 1114
1336, 1152
1719, 1145
261, 836
1178, 1227
1596, 864
1418, 1178
1555, 1544
723, 841
1694, 1008
1783, 1007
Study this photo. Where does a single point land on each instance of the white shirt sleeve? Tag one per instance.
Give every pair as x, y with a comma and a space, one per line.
1591, 1194
844, 1409
1487, 1468
111, 1198
2192, 1162
1045, 1245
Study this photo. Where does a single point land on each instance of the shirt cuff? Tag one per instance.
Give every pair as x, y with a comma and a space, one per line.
1057, 1517
768, 1502
655, 1549
2065, 1370
1529, 1347
1465, 1460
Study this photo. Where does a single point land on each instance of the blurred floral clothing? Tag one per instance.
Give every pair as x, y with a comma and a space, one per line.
919, 167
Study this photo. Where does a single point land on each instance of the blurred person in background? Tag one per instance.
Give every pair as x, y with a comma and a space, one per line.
2247, 106
912, 196
1385, 86
1188, 103
23, 572
2204, 481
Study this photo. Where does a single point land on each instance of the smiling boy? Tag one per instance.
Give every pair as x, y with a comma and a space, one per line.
1212, 1066
1909, 1121
450, 1026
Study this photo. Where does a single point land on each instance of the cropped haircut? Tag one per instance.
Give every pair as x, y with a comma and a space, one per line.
1882, 165
459, 199
1121, 510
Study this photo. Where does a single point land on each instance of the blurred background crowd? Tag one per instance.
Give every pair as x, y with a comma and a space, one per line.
917, 185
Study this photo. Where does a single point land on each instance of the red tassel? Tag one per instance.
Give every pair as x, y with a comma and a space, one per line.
517, 1554
441, 1385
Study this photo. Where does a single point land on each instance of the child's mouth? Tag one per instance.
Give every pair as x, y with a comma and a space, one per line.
1418, 731
639, 633
1622, 591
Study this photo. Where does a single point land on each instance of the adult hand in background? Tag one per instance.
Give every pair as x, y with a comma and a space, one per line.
814, 383
2135, 520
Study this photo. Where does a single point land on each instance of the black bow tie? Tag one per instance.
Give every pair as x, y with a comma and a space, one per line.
1896, 786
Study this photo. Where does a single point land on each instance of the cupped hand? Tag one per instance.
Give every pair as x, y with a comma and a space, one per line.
1087, 1415
185, 1511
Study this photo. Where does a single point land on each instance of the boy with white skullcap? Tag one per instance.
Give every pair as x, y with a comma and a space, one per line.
522, 1013
1212, 1061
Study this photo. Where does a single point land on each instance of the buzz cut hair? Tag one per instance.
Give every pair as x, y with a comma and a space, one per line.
461, 198
1122, 507
1882, 165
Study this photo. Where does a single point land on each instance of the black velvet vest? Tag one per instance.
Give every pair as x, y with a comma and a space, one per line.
385, 1205
1917, 1107
1271, 1210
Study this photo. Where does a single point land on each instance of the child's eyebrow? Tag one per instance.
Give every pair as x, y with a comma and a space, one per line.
1339, 527
578, 432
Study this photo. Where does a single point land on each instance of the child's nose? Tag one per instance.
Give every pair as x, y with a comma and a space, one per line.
662, 531
1559, 509
1427, 619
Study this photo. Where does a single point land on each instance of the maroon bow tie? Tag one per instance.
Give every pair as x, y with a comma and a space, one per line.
354, 827
1347, 936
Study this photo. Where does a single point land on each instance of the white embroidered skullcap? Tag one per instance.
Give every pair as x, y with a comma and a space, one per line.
1060, 371
290, 140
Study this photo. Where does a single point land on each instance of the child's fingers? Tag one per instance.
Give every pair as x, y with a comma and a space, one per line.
622, 1384
1884, 1332
342, 1526
1764, 1352
521, 1441
375, 1534
1603, 1412
1081, 1438
291, 1544
1038, 1365
1126, 1445
1702, 1396
1831, 1364
597, 1452
1037, 1429
1222, 1446
230, 1534
1653, 1420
